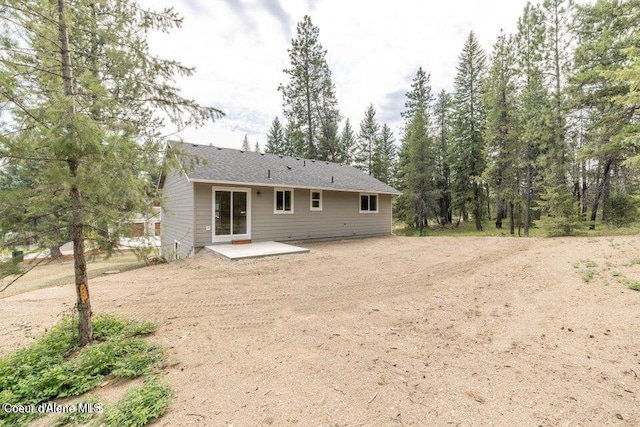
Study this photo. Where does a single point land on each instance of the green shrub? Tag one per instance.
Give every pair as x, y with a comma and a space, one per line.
140, 405
48, 369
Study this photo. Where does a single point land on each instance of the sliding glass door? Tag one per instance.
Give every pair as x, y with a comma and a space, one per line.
231, 214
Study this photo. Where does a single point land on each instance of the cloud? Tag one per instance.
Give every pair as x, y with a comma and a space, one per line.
275, 9
238, 8
196, 6
393, 104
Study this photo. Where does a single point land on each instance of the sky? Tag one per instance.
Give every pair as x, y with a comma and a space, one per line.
374, 48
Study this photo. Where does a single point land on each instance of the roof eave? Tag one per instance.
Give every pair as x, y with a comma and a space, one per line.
303, 187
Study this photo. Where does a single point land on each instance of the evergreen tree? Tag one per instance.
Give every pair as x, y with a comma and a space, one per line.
257, 148
608, 33
419, 96
442, 117
245, 144
558, 16
534, 102
81, 92
367, 139
348, 144
294, 141
310, 103
501, 133
384, 155
419, 171
276, 143
467, 150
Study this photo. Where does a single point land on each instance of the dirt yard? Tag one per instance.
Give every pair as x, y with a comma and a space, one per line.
382, 332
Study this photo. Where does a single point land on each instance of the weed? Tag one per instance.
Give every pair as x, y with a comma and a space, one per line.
634, 286
590, 264
51, 368
588, 274
140, 405
616, 274
76, 418
635, 261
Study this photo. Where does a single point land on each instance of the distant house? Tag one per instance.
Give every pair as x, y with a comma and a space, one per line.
146, 225
249, 196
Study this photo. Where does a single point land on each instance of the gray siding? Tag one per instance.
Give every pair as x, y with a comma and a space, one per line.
340, 216
203, 214
177, 216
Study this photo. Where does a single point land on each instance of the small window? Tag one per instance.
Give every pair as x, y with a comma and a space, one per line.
368, 203
316, 200
283, 200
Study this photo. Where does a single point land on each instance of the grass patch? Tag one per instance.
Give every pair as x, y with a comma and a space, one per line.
587, 275
141, 404
634, 286
545, 227
54, 367
635, 261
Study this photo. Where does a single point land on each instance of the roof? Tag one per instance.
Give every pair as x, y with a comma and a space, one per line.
227, 165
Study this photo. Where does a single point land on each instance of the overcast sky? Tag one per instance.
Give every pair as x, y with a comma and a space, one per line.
374, 48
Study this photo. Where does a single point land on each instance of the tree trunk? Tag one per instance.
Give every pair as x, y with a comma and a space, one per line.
488, 202
528, 200
512, 228
465, 213
55, 252
477, 210
584, 200
600, 190
85, 335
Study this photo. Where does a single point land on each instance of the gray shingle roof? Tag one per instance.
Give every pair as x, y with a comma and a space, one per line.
236, 166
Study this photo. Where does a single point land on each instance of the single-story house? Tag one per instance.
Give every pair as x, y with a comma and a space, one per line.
235, 195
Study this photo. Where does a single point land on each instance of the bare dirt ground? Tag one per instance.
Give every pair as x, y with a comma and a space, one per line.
387, 331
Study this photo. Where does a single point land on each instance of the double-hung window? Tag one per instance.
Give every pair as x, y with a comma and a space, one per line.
316, 200
283, 201
368, 203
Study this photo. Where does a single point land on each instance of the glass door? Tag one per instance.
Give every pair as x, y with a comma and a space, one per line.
231, 214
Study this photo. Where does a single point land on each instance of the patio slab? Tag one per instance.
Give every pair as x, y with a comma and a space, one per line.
255, 250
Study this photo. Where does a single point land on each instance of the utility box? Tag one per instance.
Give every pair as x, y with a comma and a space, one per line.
17, 256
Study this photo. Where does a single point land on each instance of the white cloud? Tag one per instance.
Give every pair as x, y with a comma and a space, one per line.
239, 48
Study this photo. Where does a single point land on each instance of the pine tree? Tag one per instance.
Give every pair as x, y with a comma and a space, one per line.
82, 94
384, 155
534, 105
419, 170
467, 150
558, 17
419, 96
257, 148
275, 139
294, 141
348, 144
442, 118
367, 139
501, 133
245, 144
310, 103
608, 33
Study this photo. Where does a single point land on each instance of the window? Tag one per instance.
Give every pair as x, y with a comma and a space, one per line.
316, 200
283, 200
368, 203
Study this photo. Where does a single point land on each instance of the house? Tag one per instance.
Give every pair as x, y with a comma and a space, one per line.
247, 196
146, 225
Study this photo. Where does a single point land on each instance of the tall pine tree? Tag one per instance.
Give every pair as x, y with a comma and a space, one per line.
367, 140
276, 139
310, 103
467, 149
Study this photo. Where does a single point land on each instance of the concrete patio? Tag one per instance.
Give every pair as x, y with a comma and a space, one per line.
255, 250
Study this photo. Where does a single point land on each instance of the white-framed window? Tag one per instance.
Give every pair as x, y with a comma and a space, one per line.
316, 200
283, 200
368, 203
